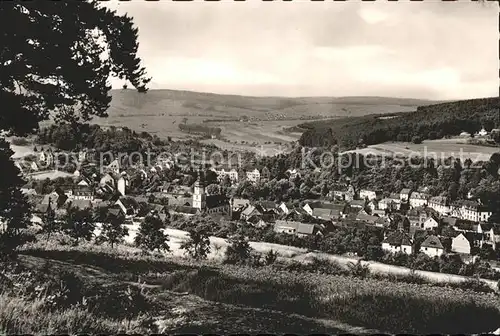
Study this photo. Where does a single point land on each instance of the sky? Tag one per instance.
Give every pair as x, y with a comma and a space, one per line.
428, 50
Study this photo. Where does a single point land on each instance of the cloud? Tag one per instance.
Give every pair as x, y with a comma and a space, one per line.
422, 50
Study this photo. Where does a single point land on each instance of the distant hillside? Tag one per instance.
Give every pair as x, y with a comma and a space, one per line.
428, 122
128, 103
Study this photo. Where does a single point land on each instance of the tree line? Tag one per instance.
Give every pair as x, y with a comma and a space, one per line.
428, 122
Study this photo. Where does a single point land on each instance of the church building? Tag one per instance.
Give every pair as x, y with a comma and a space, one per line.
209, 203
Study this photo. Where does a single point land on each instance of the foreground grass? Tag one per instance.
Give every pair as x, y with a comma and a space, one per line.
388, 304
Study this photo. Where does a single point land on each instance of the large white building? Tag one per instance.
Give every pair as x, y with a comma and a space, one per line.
471, 211
440, 204
222, 172
253, 175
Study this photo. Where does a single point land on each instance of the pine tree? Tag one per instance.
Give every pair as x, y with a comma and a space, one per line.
49, 223
150, 236
52, 65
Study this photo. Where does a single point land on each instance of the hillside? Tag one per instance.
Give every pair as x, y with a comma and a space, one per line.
161, 111
428, 122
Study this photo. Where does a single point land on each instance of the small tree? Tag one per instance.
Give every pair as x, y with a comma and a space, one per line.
151, 236
49, 223
238, 250
79, 224
416, 139
198, 244
113, 230
270, 257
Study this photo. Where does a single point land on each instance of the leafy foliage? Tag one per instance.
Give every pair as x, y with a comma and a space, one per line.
113, 231
238, 250
198, 244
150, 235
79, 224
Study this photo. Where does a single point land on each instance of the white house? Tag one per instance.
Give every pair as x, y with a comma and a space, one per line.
82, 193
404, 195
222, 172
367, 194
398, 241
385, 203
122, 185
418, 199
114, 167
482, 132
440, 204
430, 223
460, 244
284, 208
253, 175
82, 156
432, 246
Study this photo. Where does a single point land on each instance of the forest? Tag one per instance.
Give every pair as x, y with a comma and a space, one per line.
428, 122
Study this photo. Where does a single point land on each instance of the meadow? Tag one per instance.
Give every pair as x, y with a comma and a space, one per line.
442, 148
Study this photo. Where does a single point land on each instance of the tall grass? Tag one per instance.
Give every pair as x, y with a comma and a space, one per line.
21, 316
371, 303
319, 289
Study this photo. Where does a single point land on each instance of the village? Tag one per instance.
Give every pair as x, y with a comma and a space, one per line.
410, 222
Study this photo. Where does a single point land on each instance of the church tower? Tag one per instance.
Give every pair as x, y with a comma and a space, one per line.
199, 196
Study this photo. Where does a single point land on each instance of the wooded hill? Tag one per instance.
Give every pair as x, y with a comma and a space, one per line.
428, 122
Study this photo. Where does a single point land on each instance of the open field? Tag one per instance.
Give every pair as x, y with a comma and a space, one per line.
50, 174
160, 112
442, 148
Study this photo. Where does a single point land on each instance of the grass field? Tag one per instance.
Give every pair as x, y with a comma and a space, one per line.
50, 174
442, 148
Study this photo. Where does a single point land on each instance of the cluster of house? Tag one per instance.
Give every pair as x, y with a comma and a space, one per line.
440, 235
472, 210
235, 175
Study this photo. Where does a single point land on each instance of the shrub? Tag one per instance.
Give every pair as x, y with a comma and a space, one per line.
358, 269
151, 236
416, 139
238, 250
270, 257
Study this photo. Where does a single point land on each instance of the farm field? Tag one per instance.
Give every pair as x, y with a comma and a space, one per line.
50, 174
442, 148
161, 111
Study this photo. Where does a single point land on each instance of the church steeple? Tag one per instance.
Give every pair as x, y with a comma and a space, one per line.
199, 196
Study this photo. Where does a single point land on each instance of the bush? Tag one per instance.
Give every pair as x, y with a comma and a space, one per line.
416, 139
238, 250
358, 269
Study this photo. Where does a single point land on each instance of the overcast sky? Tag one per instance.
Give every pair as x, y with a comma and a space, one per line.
433, 50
